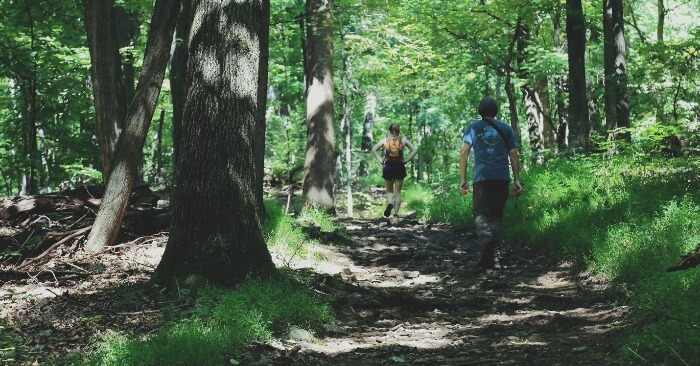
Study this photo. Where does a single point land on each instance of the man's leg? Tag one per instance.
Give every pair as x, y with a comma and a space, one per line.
481, 210
499, 196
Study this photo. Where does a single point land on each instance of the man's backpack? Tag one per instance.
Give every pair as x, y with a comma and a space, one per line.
394, 148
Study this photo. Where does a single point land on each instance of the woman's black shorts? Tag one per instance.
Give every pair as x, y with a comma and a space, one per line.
394, 170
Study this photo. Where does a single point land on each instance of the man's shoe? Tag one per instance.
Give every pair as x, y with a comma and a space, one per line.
395, 220
389, 207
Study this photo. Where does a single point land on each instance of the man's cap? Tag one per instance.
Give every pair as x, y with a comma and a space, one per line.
488, 107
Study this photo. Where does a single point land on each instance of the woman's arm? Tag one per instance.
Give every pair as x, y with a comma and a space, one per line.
375, 148
410, 145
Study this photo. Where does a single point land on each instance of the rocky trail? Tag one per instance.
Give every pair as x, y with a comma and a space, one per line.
404, 294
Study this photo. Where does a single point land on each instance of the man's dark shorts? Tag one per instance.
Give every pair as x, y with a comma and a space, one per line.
394, 170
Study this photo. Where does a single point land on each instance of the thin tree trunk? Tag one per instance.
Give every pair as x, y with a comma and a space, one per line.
579, 127
609, 66
368, 131
126, 158
620, 52
560, 84
347, 127
510, 87
157, 149
108, 89
260, 125
216, 231
320, 139
30, 184
660, 24
178, 73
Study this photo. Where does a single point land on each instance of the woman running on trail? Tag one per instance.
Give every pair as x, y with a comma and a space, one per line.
394, 170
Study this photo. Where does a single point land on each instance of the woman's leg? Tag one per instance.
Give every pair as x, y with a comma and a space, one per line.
389, 184
398, 184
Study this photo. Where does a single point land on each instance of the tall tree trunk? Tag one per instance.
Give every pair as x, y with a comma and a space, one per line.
620, 51
216, 231
368, 131
660, 24
348, 134
320, 145
609, 66
560, 85
107, 86
660, 21
542, 89
31, 151
260, 118
156, 150
615, 50
579, 128
178, 72
510, 83
128, 151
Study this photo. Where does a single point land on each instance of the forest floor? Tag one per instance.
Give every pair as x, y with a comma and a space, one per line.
403, 294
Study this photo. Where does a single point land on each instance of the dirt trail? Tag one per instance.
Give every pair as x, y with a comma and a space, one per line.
405, 296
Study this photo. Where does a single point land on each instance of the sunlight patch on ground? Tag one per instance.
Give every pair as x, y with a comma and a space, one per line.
420, 336
339, 264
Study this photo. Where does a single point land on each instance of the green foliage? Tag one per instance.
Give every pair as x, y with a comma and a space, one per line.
281, 231
448, 206
224, 322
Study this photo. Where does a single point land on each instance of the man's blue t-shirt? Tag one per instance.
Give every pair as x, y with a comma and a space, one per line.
490, 151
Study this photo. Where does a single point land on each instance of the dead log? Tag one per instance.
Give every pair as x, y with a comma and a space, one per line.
689, 260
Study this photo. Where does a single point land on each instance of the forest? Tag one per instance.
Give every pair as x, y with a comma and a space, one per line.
191, 182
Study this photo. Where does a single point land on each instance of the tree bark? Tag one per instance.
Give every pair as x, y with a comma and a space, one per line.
579, 127
620, 52
320, 138
128, 151
107, 86
216, 232
615, 50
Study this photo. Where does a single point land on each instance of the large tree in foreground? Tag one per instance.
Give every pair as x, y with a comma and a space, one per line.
127, 155
320, 136
216, 231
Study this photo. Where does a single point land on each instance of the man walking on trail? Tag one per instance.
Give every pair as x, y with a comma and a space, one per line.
494, 143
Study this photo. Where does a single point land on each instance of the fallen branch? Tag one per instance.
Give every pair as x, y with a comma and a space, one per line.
690, 260
47, 251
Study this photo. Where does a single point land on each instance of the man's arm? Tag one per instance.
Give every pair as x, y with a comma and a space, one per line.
463, 157
515, 165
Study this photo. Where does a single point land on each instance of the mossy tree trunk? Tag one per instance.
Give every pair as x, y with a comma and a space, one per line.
215, 230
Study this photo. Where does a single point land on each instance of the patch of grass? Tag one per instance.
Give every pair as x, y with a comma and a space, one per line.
282, 231
317, 218
223, 323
